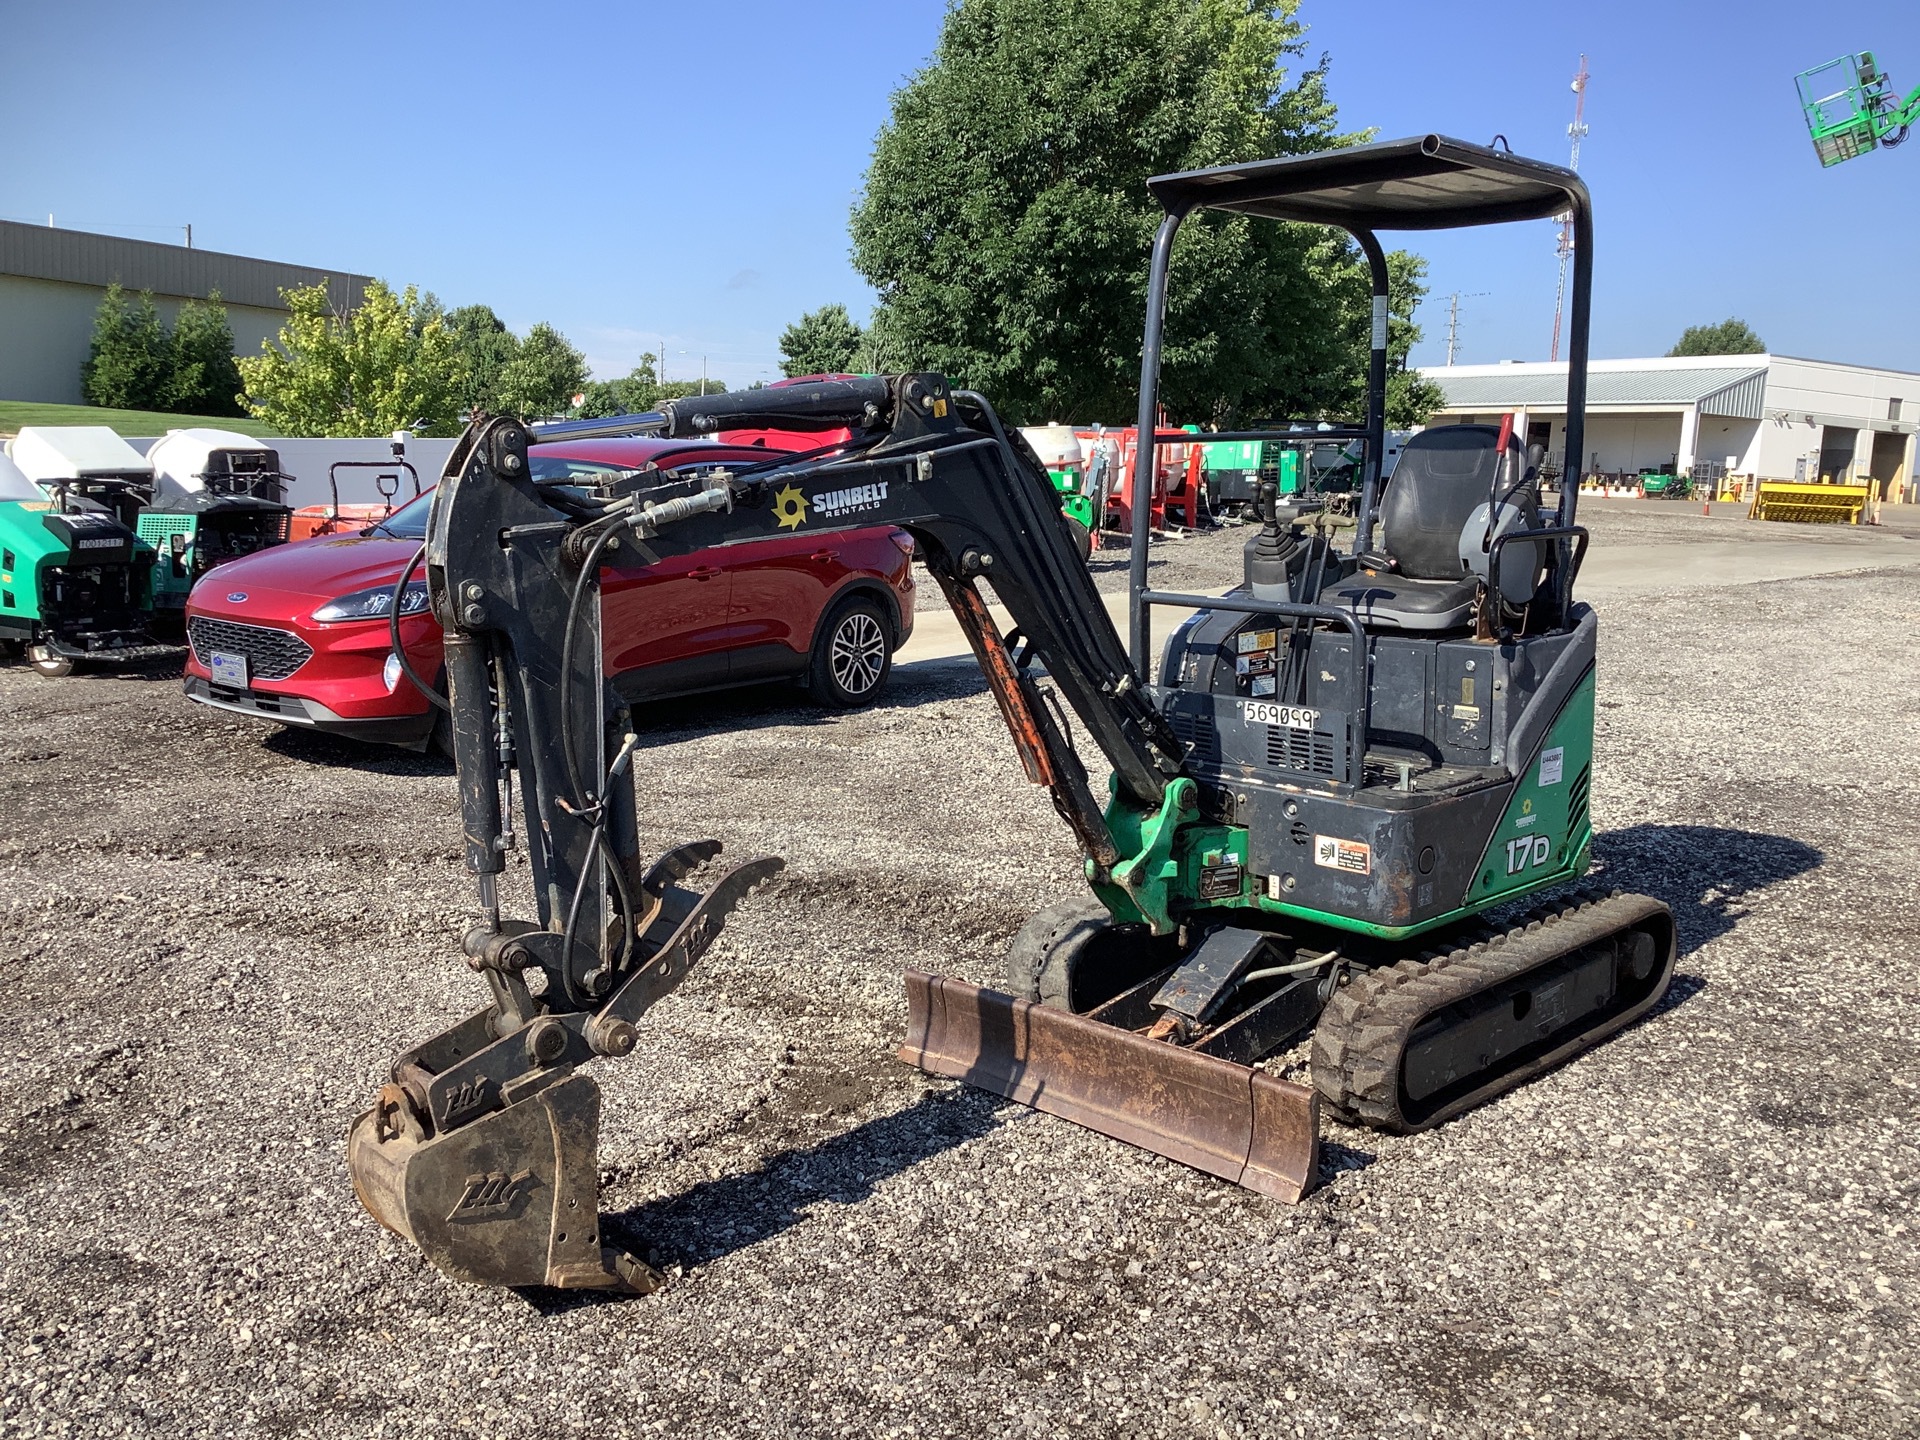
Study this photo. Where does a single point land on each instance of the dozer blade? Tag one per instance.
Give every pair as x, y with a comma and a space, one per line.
1228, 1120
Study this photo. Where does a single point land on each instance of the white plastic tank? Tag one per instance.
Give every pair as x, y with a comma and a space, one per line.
1056, 445
16, 486
179, 458
75, 452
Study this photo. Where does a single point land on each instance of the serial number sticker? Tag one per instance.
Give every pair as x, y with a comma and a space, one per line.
1294, 717
1351, 856
1248, 641
1552, 764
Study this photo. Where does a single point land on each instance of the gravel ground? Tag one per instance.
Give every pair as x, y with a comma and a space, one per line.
219, 936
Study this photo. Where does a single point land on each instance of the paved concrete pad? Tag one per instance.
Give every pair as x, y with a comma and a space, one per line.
1635, 551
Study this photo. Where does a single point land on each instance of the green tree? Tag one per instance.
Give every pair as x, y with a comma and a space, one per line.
1411, 397
1006, 225
202, 378
1730, 337
635, 393
543, 376
128, 362
681, 389
821, 342
373, 370
483, 348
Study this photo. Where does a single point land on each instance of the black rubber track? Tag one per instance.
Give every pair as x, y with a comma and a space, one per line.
1362, 1035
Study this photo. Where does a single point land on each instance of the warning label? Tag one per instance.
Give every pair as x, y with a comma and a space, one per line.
1552, 765
1337, 854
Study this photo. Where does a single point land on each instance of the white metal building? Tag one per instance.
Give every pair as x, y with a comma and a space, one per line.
52, 281
1770, 417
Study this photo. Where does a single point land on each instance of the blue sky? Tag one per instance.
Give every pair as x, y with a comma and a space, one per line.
685, 170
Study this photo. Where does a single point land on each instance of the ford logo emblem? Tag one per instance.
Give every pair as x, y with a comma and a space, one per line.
238, 597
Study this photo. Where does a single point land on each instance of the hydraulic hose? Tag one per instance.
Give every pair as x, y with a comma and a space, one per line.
393, 633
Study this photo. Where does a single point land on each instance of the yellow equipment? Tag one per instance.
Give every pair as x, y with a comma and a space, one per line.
1810, 504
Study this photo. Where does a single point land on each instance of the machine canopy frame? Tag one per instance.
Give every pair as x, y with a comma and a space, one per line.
1427, 182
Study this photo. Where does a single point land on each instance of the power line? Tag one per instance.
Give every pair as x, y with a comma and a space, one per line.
1453, 318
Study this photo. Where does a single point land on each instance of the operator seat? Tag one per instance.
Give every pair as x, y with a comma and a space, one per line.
1418, 581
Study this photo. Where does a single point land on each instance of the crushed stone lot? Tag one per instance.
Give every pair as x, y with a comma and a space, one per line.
217, 937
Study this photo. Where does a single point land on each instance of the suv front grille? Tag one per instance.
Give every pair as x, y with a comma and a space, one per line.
271, 654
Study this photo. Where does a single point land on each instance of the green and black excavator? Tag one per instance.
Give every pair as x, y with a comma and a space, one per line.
1333, 780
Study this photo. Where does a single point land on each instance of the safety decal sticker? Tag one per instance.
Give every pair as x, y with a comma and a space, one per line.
789, 508
1351, 856
1552, 762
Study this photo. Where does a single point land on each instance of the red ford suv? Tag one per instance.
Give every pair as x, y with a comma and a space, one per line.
299, 634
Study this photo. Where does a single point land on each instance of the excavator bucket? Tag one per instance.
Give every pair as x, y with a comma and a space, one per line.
511, 1199
1229, 1120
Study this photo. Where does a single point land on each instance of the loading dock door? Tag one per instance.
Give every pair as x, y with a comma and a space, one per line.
1836, 453
1889, 459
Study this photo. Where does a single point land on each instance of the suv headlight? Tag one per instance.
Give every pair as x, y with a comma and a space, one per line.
373, 604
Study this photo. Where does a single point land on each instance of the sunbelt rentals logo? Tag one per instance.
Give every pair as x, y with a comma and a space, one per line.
848, 501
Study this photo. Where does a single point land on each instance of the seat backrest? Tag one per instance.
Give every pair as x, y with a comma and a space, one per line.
1443, 475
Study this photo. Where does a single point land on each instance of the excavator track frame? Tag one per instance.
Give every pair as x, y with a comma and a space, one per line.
1362, 1042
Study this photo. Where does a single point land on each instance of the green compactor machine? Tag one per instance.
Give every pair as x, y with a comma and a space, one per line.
76, 580
218, 495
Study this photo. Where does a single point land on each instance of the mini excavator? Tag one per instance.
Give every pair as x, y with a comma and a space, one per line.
1327, 812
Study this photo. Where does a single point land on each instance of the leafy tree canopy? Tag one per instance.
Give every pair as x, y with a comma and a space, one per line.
821, 342
202, 378
1730, 337
128, 364
483, 347
136, 363
635, 393
1006, 224
376, 369
543, 376
1411, 397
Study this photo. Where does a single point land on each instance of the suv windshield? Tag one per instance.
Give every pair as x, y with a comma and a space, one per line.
409, 522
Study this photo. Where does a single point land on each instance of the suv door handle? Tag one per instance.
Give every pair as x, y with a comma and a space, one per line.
703, 572
823, 556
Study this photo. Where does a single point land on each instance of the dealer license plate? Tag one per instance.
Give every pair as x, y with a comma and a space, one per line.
1294, 717
230, 670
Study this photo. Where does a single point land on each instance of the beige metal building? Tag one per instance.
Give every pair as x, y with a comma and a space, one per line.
1768, 417
51, 282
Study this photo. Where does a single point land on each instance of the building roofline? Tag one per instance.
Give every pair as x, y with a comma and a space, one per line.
81, 257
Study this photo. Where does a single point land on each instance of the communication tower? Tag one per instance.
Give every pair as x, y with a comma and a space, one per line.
1577, 130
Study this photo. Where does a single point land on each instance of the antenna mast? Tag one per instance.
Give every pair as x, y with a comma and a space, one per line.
1577, 131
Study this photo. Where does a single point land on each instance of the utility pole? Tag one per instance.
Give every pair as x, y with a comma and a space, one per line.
1577, 131
189, 237
1453, 319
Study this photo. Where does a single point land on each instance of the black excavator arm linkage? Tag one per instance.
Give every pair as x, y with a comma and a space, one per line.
485, 1136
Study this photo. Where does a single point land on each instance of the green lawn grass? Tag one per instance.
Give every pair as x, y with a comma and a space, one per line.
15, 413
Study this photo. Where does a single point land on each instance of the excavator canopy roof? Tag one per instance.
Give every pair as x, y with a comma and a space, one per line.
1424, 183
